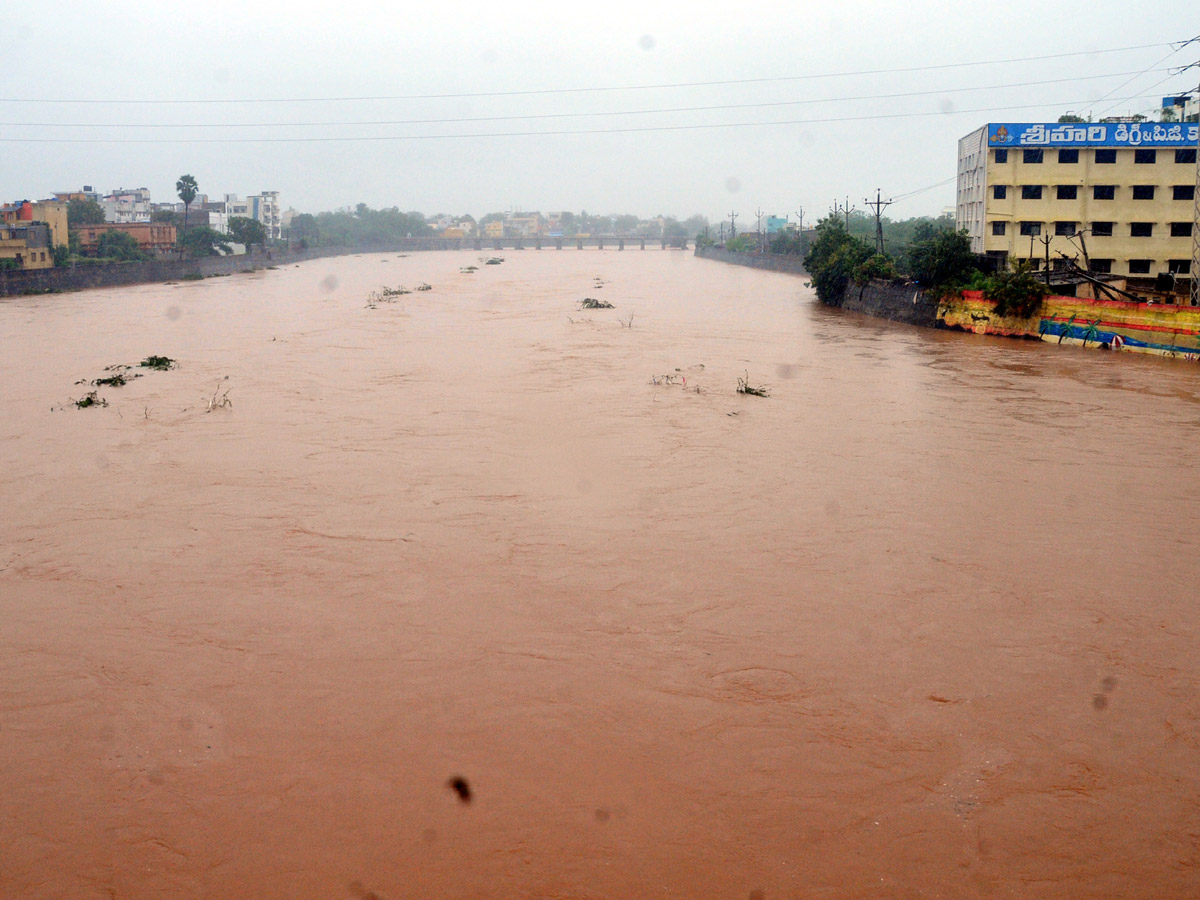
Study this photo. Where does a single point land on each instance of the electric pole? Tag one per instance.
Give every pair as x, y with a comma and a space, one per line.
880, 205
758, 228
844, 209
1194, 272
1046, 239
800, 216
732, 226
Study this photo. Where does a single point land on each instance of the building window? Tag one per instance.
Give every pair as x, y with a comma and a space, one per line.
1031, 228
1186, 156
1104, 191
1179, 266
1065, 229
1143, 192
999, 191
1001, 156
1181, 229
1144, 156
1102, 266
1031, 155
999, 228
1184, 192
1106, 156
1141, 229
1068, 155
1067, 191
1102, 229
1031, 192
1139, 267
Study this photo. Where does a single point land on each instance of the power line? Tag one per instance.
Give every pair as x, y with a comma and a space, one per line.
586, 90
569, 115
1176, 49
558, 133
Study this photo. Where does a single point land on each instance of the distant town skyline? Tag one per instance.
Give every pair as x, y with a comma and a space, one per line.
461, 108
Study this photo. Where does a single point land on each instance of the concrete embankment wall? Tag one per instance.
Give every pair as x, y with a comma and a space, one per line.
75, 278
774, 262
899, 303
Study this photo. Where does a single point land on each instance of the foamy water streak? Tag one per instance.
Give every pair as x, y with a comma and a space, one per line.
922, 620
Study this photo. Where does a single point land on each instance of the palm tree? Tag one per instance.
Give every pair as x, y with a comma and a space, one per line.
187, 188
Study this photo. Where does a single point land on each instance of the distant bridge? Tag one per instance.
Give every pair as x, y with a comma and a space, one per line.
607, 242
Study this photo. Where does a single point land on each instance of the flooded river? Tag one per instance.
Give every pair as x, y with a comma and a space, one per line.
921, 623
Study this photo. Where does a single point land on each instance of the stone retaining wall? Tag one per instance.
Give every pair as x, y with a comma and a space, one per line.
897, 302
771, 261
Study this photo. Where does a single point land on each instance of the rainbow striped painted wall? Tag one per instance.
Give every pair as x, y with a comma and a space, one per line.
1106, 324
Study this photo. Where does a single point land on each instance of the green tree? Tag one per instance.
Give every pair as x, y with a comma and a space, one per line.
166, 217
187, 189
84, 212
62, 254
203, 241
119, 246
248, 231
1071, 119
304, 229
943, 262
833, 259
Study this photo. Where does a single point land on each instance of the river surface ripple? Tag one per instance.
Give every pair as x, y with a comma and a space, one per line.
922, 623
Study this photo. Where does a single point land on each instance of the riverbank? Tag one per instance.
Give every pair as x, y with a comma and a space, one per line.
1154, 328
78, 278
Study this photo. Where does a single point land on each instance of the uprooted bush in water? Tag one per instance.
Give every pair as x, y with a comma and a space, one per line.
158, 363
593, 303
745, 387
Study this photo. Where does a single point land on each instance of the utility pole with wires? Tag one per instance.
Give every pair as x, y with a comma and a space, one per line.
1194, 271
732, 227
1045, 240
880, 205
843, 209
758, 229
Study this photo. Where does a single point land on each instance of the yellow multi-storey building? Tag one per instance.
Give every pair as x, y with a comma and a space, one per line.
1119, 197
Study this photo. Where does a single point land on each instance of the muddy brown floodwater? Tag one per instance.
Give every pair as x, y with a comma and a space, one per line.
922, 623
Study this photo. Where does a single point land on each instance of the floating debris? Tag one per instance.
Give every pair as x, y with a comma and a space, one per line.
593, 303
494, 260
424, 287
744, 387
90, 399
159, 363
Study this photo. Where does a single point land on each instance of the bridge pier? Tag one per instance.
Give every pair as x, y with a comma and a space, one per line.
538, 246
600, 243
558, 243
519, 244
664, 243
497, 244
643, 243
621, 244
578, 243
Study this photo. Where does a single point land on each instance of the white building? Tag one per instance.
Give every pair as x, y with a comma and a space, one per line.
262, 207
124, 206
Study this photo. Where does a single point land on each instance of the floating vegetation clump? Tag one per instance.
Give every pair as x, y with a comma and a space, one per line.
494, 260
386, 295
468, 269
90, 399
424, 287
159, 363
593, 303
745, 387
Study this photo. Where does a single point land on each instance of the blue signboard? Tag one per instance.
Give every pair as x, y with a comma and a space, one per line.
1086, 134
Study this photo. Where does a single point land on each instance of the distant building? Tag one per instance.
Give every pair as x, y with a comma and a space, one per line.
262, 207
125, 205
494, 229
776, 224
1122, 194
88, 193
152, 237
51, 212
28, 243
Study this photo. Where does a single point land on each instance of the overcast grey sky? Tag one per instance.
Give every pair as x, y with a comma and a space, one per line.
835, 134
